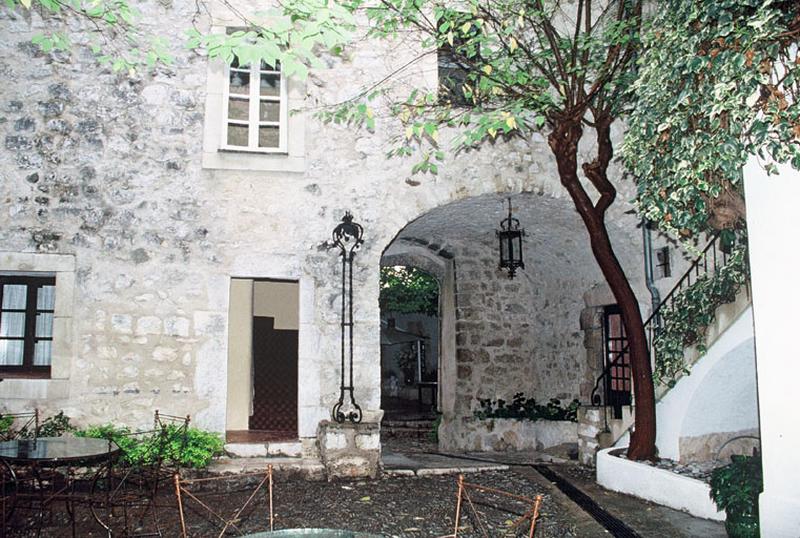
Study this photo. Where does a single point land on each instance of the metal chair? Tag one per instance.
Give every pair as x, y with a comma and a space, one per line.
126, 499
19, 425
196, 492
174, 436
502, 502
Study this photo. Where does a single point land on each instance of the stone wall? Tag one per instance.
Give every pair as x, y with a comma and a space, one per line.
105, 168
506, 435
520, 335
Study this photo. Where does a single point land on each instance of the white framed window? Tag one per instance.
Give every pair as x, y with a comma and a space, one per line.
255, 109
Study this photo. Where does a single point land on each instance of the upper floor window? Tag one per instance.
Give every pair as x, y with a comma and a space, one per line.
27, 306
457, 56
255, 110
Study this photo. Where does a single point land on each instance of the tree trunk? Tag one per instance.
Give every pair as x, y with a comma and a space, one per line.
564, 144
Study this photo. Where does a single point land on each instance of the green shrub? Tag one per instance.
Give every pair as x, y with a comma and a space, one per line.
55, 426
527, 409
735, 489
5, 423
196, 450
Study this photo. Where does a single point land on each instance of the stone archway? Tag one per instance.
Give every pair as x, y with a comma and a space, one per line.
508, 336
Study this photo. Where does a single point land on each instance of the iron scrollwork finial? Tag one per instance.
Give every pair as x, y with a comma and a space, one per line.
348, 236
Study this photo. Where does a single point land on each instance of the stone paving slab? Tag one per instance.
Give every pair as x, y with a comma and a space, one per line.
422, 464
311, 469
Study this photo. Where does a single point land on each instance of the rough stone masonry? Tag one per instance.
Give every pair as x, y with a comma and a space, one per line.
101, 172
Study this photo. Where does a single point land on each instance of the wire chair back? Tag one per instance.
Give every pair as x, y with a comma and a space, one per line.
189, 494
525, 508
19, 425
173, 432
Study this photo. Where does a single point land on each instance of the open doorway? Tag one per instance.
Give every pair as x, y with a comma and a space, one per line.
409, 301
262, 361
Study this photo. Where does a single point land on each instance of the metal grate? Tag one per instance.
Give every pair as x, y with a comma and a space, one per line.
613, 525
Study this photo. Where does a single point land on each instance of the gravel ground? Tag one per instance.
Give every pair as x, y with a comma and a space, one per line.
399, 506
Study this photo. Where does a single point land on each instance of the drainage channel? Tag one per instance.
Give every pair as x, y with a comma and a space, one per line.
614, 526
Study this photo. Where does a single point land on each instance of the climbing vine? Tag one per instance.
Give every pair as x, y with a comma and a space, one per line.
689, 314
718, 83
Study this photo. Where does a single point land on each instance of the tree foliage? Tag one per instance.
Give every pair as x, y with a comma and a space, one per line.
408, 290
718, 82
112, 29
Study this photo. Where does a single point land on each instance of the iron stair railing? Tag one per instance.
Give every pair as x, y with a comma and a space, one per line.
713, 257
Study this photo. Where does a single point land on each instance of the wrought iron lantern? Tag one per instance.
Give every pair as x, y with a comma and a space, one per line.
510, 236
347, 236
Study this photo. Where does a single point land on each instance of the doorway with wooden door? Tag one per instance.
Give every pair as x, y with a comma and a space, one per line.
262, 361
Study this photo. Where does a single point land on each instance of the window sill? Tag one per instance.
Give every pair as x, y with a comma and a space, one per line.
43, 374
227, 159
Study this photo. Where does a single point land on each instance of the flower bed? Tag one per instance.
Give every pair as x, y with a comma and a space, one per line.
655, 484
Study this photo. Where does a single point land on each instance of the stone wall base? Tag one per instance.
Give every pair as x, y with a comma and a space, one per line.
718, 446
505, 435
349, 450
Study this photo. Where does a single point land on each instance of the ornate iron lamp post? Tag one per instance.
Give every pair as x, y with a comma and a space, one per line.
510, 236
348, 237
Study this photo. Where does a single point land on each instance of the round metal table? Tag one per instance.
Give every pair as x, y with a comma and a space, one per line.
22, 464
57, 451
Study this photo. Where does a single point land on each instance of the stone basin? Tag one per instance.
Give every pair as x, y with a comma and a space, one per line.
317, 533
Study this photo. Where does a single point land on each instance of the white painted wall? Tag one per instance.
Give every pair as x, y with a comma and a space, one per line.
774, 258
654, 484
718, 396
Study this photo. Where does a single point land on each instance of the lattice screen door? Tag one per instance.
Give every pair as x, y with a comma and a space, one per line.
274, 378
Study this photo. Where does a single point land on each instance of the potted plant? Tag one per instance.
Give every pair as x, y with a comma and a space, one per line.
735, 489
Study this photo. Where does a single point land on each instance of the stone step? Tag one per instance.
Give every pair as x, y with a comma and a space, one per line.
290, 449
309, 468
405, 433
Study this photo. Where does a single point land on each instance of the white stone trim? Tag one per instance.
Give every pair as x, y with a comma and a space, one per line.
64, 347
291, 156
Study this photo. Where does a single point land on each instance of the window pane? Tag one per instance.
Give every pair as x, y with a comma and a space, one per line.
266, 67
11, 352
240, 82
44, 325
46, 298
42, 353
238, 109
268, 137
15, 296
270, 84
12, 324
237, 135
270, 111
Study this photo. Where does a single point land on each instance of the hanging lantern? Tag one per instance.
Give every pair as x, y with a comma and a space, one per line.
510, 236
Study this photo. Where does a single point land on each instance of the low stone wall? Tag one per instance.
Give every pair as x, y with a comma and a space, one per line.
349, 450
653, 484
505, 434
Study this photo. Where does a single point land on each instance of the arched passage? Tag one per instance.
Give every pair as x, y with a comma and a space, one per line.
500, 336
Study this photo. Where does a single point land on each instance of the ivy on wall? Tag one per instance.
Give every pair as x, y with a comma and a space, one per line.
688, 315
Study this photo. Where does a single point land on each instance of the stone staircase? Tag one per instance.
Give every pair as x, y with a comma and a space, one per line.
406, 429
597, 426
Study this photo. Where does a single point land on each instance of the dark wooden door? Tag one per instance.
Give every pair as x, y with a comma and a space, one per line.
274, 378
618, 363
